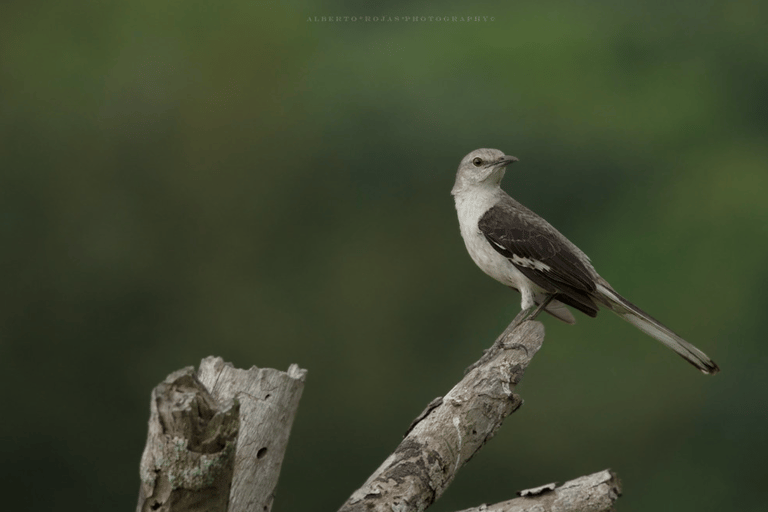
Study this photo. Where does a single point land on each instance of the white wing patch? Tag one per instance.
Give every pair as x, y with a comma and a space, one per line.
530, 263
523, 262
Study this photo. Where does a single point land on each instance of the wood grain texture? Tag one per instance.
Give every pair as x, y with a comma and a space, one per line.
269, 400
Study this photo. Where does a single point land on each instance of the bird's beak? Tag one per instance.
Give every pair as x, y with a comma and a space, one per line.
497, 169
506, 160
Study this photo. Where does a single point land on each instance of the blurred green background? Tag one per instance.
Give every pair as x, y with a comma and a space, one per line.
181, 179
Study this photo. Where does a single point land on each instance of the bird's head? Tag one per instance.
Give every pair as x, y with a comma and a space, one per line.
482, 167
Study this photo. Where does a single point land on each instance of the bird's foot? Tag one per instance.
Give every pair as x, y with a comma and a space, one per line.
529, 313
491, 352
523, 316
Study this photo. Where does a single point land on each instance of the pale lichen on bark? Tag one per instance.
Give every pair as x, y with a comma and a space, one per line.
189, 455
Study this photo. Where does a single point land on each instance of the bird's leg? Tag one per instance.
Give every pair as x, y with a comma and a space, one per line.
529, 311
490, 352
541, 307
526, 306
521, 317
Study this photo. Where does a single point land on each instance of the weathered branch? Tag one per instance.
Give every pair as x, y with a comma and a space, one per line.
189, 456
268, 401
592, 493
200, 442
222, 449
452, 430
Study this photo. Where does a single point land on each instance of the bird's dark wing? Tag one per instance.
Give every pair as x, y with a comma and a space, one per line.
540, 252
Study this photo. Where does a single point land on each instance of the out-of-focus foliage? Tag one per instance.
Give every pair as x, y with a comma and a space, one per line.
192, 178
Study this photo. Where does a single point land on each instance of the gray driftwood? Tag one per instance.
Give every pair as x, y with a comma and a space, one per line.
592, 493
190, 452
217, 438
451, 431
268, 401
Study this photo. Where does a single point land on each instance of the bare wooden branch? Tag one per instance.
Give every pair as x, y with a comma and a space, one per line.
268, 401
219, 450
452, 431
593, 493
189, 456
223, 450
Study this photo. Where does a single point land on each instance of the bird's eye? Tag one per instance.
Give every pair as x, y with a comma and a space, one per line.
477, 161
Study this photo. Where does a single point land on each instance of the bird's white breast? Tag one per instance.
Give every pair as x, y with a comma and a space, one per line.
471, 204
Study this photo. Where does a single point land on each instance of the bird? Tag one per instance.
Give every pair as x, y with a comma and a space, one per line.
521, 250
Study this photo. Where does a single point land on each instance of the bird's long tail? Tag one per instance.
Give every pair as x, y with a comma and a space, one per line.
656, 329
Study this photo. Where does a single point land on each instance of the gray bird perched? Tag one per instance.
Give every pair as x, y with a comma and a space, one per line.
521, 250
